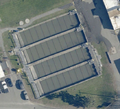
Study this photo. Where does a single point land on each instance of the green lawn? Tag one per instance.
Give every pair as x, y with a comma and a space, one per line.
27, 85
100, 90
8, 41
1, 54
52, 15
9, 45
12, 11
14, 62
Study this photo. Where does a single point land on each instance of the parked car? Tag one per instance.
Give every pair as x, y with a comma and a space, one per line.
20, 84
9, 82
25, 95
5, 87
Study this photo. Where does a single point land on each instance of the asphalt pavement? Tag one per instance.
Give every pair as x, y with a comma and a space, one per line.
98, 28
93, 22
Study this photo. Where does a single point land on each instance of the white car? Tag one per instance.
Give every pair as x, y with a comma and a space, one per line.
5, 87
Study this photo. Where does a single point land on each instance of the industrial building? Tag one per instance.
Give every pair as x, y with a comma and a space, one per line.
113, 9
55, 54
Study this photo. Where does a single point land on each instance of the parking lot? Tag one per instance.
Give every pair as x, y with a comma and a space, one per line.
14, 94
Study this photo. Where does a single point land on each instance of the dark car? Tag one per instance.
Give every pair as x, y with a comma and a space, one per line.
9, 82
25, 95
20, 84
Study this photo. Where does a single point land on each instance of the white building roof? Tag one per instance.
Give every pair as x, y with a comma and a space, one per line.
115, 21
113, 12
111, 3
1, 72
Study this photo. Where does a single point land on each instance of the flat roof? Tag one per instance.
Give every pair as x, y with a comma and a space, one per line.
58, 59
48, 29
113, 10
68, 78
115, 21
54, 46
61, 62
111, 3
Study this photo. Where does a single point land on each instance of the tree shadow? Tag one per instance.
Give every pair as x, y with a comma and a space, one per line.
107, 99
104, 105
52, 96
74, 100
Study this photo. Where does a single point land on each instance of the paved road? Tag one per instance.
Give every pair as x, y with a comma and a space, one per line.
24, 106
12, 100
98, 28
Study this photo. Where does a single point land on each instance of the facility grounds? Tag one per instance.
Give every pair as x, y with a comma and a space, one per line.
55, 54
